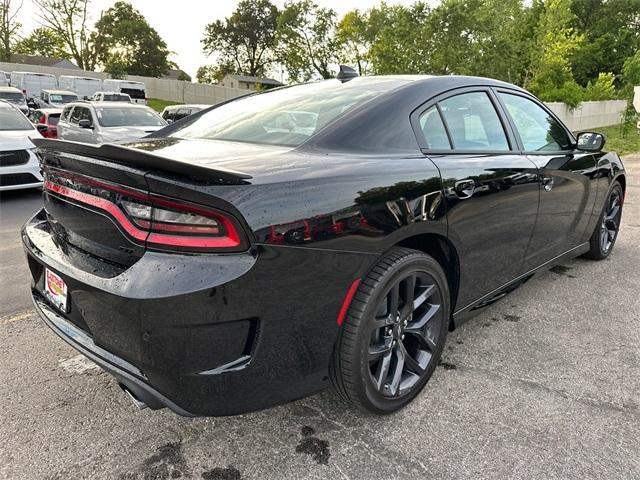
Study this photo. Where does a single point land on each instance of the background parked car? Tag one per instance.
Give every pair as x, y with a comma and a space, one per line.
19, 165
103, 122
173, 113
56, 98
3, 79
84, 87
110, 97
15, 97
136, 90
32, 84
49, 117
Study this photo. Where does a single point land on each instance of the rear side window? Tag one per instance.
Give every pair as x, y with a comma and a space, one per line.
538, 130
433, 130
473, 122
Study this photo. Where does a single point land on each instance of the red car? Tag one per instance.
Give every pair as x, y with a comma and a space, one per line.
48, 117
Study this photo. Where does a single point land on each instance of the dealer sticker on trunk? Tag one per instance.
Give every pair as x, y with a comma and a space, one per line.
55, 289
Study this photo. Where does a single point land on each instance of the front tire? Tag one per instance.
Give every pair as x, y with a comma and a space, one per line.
394, 332
606, 232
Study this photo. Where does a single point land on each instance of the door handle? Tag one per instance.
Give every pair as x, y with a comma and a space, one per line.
465, 188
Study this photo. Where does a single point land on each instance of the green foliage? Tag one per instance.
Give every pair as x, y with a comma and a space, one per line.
356, 36
555, 41
631, 70
246, 39
214, 73
622, 139
69, 20
612, 34
307, 41
42, 41
130, 44
158, 104
9, 27
601, 89
562, 50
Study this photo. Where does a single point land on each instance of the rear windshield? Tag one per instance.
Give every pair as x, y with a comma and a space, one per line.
128, 117
134, 93
12, 97
114, 97
56, 98
11, 119
287, 116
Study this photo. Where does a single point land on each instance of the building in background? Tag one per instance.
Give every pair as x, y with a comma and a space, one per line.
43, 61
245, 82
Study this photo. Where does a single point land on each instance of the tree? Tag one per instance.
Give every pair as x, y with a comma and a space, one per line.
611, 30
556, 40
214, 73
69, 19
397, 43
246, 39
307, 40
42, 41
130, 44
356, 36
9, 27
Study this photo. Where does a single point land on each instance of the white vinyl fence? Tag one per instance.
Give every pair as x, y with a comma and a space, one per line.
175, 90
589, 114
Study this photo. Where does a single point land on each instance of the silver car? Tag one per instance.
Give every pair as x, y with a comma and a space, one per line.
19, 164
107, 122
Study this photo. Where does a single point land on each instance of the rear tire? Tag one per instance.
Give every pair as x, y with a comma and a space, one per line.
393, 334
605, 234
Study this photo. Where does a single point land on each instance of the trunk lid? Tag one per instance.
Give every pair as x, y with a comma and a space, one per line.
85, 185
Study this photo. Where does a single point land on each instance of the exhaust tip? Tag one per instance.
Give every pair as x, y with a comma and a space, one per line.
138, 403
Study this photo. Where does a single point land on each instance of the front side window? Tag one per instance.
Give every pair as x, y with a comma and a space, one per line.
65, 113
433, 130
85, 114
538, 130
473, 122
75, 115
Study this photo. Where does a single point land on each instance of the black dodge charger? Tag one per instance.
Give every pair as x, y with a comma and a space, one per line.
322, 234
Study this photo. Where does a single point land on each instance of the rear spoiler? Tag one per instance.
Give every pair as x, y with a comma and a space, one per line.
133, 157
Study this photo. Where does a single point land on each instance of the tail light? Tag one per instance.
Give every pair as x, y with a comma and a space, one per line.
159, 221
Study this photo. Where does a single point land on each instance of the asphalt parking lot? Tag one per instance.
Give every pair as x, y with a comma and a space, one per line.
544, 384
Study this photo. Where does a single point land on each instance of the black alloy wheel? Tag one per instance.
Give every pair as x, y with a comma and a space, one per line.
606, 232
394, 332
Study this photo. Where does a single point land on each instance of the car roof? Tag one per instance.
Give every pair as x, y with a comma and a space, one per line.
60, 92
10, 89
49, 110
109, 92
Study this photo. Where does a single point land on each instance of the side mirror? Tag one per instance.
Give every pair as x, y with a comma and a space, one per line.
84, 123
590, 141
42, 127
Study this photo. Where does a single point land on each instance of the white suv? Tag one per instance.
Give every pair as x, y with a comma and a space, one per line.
110, 97
19, 164
107, 122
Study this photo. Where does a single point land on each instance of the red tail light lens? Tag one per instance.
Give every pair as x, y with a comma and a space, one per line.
156, 220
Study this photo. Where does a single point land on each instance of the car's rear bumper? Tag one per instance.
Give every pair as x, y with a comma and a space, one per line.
125, 373
200, 334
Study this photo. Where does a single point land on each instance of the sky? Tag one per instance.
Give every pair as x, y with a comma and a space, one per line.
181, 23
